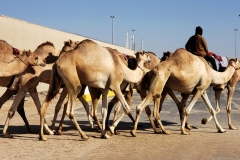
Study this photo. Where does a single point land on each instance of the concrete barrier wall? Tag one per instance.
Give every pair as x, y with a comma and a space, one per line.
24, 35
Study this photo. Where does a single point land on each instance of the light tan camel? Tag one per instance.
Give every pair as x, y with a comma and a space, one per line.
142, 88
93, 66
95, 93
29, 81
178, 72
69, 45
230, 87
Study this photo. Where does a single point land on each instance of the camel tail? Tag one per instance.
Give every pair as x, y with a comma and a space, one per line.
55, 84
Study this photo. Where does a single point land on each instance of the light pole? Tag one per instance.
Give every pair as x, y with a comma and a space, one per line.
235, 42
133, 41
112, 28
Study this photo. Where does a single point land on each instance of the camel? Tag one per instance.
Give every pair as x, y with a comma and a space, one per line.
178, 72
93, 66
28, 83
142, 89
230, 87
20, 63
95, 93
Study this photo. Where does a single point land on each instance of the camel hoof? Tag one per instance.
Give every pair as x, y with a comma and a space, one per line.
49, 132
42, 138
232, 127
158, 131
111, 129
59, 132
166, 132
221, 131
105, 136
84, 137
133, 133
185, 133
187, 126
6, 135
204, 121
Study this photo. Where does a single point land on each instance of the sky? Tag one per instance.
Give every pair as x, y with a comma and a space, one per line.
162, 25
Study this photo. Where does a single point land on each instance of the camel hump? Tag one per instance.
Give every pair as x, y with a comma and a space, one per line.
7, 52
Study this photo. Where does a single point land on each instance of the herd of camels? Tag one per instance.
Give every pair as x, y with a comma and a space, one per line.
86, 64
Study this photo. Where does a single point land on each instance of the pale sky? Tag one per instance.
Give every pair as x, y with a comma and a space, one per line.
162, 25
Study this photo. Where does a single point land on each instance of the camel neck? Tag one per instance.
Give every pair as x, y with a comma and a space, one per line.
12, 68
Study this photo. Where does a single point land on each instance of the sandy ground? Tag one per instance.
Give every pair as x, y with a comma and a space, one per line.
203, 143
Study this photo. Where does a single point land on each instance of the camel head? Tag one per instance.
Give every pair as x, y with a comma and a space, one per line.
235, 63
166, 55
31, 59
69, 45
149, 60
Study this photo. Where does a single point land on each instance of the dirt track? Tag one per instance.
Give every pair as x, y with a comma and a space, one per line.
203, 143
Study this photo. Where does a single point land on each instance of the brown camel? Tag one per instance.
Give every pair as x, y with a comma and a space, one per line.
29, 81
230, 87
178, 72
84, 63
19, 63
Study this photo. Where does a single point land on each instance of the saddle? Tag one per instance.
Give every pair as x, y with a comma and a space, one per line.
16, 52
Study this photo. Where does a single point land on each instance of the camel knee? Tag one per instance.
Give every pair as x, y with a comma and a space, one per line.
228, 110
11, 114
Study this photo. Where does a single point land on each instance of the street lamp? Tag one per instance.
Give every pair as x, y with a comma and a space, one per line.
133, 40
235, 42
112, 28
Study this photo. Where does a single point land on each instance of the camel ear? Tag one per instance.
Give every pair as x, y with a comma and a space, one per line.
66, 43
70, 41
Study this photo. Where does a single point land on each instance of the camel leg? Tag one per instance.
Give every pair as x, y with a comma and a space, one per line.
104, 113
142, 93
59, 130
128, 97
126, 108
81, 99
70, 113
155, 92
34, 95
163, 96
217, 109
182, 108
53, 90
21, 111
86, 106
95, 96
228, 107
11, 112
212, 111
186, 112
156, 114
58, 106
111, 104
116, 111
139, 110
6, 96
